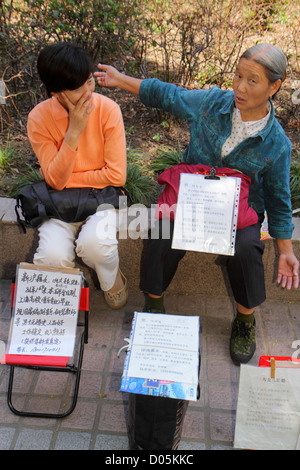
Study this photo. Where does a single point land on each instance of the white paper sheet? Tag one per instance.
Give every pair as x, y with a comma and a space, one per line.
165, 347
268, 410
45, 313
206, 214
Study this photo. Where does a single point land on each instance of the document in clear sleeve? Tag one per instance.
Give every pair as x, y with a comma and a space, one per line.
206, 214
163, 356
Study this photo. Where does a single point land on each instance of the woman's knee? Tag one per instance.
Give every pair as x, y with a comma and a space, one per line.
56, 244
55, 255
97, 245
96, 251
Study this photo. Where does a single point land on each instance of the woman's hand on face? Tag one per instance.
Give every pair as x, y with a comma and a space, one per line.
79, 112
288, 271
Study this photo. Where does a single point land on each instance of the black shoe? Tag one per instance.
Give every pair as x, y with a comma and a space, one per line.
153, 305
242, 341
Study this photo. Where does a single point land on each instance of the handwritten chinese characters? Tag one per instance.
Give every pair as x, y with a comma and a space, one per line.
45, 312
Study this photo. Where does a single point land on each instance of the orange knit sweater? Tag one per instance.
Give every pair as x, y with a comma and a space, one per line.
100, 159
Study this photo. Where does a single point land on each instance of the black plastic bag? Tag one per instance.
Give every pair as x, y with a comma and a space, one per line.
155, 423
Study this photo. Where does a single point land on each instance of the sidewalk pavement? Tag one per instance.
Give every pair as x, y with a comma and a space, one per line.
99, 421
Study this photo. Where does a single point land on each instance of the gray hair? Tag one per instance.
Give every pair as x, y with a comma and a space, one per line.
271, 58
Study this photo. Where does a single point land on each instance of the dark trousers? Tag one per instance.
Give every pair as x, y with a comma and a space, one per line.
245, 269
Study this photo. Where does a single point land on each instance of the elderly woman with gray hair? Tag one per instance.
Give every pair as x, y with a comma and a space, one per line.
238, 130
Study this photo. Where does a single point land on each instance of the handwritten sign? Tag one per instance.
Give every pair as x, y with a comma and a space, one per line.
206, 214
45, 311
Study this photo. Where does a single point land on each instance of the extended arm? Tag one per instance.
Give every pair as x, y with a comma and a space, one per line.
110, 77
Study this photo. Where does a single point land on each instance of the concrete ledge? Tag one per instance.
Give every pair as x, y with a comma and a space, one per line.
198, 273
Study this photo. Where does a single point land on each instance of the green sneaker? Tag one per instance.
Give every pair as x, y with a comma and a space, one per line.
154, 305
242, 341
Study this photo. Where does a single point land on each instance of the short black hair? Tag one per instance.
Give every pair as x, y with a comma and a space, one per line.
64, 66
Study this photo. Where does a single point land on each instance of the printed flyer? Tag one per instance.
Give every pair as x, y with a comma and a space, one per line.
163, 356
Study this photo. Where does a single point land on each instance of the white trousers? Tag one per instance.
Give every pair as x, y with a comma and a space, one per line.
94, 240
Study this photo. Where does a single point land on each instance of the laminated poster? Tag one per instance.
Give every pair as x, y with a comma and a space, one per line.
206, 214
163, 356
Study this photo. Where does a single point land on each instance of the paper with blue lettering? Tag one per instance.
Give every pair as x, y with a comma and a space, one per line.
163, 356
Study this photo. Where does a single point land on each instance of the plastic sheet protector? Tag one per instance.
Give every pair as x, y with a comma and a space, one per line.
163, 356
206, 214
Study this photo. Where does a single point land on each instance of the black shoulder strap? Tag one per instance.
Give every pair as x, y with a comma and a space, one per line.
42, 190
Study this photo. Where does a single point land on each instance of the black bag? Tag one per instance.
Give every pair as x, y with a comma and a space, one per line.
39, 202
155, 423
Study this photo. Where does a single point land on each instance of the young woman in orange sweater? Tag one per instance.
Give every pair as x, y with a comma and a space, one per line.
79, 139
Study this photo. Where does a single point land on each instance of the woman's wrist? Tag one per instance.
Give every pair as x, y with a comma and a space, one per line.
130, 84
72, 138
284, 246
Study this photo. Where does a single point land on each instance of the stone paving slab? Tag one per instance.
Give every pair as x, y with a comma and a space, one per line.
99, 421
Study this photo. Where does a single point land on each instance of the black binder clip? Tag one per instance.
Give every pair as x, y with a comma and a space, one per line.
212, 175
